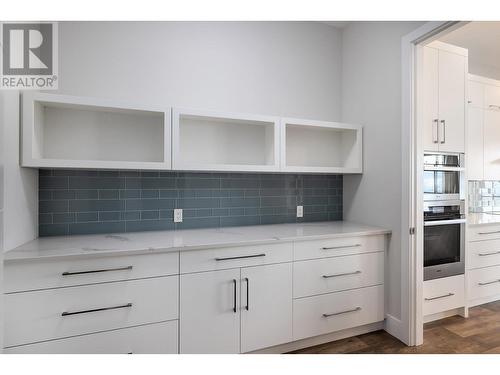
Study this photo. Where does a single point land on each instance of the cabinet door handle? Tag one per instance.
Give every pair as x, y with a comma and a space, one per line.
435, 130
248, 293
340, 247
489, 282
67, 313
342, 312
439, 297
234, 295
96, 271
492, 232
241, 257
487, 254
494, 106
341, 274
443, 122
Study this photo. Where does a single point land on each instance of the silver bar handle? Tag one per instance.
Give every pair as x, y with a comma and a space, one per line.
494, 106
443, 122
439, 297
444, 222
342, 312
97, 271
436, 133
489, 282
341, 274
487, 254
340, 247
241, 257
492, 232
67, 313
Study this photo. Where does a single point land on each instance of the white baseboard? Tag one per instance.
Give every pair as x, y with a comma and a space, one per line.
394, 327
482, 301
462, 311
322, 339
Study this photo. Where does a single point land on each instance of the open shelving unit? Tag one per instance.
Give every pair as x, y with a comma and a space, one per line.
203, 140
60, 131
321, 147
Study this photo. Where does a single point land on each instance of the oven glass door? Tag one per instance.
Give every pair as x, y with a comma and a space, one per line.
442, 183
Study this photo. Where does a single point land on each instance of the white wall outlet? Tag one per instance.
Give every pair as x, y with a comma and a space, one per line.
178, 215
300, 211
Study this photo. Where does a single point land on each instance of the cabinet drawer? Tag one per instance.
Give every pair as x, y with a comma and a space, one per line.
337, 247
320, 276
443, 294
483, 283
160, 338
234, 257
43, 274
486, 232
64, 312
483, 254
313, 316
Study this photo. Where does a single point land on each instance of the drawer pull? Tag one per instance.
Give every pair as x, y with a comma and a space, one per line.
489, 282
234, 295
66, 313
97, 271
438, 297
342, 312
341, 247
486, 254
341, 274
492, 232
241, 257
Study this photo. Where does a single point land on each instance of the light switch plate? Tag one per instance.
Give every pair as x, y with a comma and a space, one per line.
178, 215
300, 211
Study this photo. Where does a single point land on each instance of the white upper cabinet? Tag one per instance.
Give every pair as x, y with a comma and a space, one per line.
216, 141
492, 145
444, 87
475, 144
60, 131
321, 147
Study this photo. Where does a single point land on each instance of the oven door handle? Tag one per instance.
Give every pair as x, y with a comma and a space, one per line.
444, 222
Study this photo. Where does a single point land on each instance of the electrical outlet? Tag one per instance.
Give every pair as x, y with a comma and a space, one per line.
300, 211
178, 215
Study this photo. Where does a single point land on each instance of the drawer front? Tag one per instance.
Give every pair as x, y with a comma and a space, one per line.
313, 316
160, 338
34, 275
443, 294
36, 316
483, 283
235, 257
484, 232
483, 254
320, 276
337, 247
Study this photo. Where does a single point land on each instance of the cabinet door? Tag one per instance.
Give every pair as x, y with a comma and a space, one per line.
430, 88
475, 144
210, 311
266, 306
492, 145
451, 102
492, 97
476, 94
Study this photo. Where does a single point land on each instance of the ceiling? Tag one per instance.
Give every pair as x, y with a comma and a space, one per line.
482, 39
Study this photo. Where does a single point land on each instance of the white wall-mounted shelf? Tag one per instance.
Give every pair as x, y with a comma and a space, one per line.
217, 141
321, 147
60, 131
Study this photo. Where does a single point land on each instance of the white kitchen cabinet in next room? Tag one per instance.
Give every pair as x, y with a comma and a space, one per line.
444, 89
475, 130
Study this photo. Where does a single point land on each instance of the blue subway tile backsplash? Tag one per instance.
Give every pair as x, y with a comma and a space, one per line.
86, 202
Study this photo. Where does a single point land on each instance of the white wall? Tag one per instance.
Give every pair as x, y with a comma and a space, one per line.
276, 68
372, 97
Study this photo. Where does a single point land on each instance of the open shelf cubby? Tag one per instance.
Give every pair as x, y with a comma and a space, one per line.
71, 132
224, 142
321, 147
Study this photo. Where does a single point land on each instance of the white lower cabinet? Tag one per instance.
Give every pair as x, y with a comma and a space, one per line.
266, 306
159, 338
210, 312
444, 294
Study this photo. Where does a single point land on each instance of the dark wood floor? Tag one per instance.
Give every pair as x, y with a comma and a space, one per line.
480, 333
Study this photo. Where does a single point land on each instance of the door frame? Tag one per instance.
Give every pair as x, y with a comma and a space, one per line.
412, 162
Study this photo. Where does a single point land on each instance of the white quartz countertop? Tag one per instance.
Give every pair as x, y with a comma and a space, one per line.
183, 240
482, 218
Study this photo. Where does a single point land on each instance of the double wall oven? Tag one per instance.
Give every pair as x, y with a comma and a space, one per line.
444, 216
